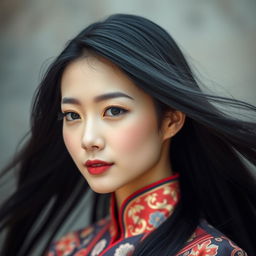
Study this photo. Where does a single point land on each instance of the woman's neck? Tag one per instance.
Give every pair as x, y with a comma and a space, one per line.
146, 179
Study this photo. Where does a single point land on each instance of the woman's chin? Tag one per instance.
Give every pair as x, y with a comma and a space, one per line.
102, 189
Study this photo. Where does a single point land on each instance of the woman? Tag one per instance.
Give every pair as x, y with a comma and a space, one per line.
121, 104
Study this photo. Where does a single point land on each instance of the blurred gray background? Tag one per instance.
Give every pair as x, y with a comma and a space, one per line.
218, 38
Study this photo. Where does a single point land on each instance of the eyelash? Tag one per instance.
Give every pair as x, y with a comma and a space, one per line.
115, 107
65, 114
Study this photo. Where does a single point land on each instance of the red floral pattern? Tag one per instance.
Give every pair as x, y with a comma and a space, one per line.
206, 249
66, 244
147, 211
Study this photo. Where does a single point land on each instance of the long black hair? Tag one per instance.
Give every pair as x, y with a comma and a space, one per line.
209, 152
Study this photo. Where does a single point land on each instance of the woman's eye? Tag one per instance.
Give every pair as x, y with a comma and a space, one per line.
114, 111
71, 116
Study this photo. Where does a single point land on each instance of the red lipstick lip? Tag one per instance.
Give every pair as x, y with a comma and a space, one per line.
95, 167
94, 162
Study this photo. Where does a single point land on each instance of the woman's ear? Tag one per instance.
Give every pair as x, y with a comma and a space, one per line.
172, 123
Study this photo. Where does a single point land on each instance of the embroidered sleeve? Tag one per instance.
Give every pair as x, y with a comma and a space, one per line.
221, 246
67, 244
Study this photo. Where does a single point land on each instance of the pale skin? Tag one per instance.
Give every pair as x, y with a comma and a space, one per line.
121, 129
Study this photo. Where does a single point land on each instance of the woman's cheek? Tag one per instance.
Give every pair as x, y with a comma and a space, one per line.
69, 142
131, 138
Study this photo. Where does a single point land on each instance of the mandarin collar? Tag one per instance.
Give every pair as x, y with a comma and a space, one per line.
144, 210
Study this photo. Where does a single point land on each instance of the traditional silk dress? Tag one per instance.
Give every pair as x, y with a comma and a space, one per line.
140, 214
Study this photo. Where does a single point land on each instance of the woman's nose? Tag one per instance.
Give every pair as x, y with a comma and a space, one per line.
92, 139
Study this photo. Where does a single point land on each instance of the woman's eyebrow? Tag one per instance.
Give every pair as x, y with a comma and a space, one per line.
70, 101
99, 98
111, 96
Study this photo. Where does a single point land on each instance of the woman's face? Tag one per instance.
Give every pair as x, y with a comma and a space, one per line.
107, 118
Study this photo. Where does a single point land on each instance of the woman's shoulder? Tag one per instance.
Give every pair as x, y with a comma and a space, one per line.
205, 241
209, 241
67, 244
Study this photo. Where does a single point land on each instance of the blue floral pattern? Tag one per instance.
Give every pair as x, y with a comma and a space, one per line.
156, 218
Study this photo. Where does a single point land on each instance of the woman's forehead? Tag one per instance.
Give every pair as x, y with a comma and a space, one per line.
97, 74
